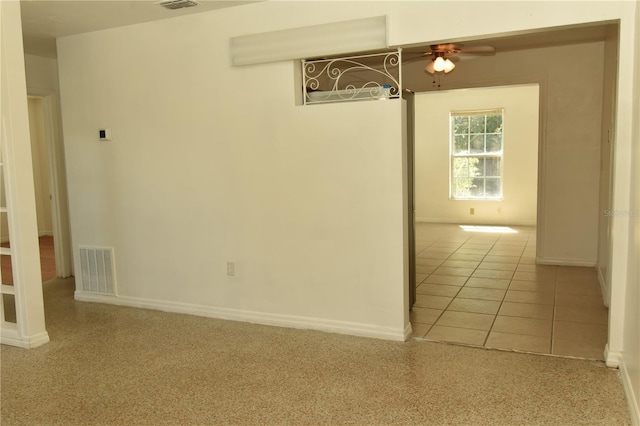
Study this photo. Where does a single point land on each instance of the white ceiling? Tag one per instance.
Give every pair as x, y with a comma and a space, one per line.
44, 20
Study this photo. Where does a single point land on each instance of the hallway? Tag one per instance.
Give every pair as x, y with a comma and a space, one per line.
480, 286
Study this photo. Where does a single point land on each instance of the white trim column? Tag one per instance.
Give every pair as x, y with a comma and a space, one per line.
621, 191
29, 329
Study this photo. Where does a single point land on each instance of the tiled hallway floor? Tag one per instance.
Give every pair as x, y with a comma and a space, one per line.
483, 288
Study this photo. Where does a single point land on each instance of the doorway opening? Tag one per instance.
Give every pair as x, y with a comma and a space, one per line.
565, 255
42, 187
49, 184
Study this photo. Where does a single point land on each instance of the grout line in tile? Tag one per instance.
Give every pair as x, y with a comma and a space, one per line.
502, 301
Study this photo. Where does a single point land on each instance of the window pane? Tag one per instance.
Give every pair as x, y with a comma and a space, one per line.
461, 144
494, 143
477, 144
460, 167
460, 125
494, 123
479, 167
477, 123
492, 166
456, 190
493, 187
477, 188
462, 187
473, 166
465, 167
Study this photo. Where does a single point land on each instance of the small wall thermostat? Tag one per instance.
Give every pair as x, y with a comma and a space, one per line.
104, 134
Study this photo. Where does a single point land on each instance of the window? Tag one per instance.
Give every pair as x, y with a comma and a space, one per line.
476, 155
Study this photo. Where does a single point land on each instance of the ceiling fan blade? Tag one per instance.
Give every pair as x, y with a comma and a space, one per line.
460, 57
446, 48
478, 49
408, 58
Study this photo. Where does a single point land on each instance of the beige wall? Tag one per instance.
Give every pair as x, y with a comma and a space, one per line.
432, 161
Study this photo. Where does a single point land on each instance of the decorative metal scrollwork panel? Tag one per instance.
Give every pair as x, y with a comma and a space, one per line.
374, 76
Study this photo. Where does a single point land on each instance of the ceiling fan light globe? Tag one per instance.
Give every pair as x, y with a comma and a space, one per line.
439, 64
429, 68
448, 66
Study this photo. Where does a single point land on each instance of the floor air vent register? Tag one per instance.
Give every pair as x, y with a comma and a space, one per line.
97, 270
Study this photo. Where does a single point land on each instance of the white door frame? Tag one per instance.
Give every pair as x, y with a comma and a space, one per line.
57, 179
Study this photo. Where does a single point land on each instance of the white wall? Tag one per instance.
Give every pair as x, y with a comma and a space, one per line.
210, 164
520, 166
606, 148
630, 367
40, 166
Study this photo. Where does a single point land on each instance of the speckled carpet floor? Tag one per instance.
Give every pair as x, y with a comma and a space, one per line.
111, 365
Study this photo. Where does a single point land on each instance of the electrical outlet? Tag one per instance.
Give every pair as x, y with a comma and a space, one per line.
104, 134
472, 211
231, 269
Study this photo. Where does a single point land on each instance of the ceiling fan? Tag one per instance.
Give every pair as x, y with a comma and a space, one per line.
442, 57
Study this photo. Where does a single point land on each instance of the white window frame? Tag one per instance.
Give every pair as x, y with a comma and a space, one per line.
453, 155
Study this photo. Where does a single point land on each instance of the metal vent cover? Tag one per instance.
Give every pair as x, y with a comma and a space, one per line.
177, 4
96, 265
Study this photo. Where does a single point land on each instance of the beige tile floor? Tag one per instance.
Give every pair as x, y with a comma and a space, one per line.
485, 289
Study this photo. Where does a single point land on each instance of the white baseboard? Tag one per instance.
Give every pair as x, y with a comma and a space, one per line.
407, 331
634, 410
615, 359
566, 262
612, 358
475, 221
290, 321
11, 337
